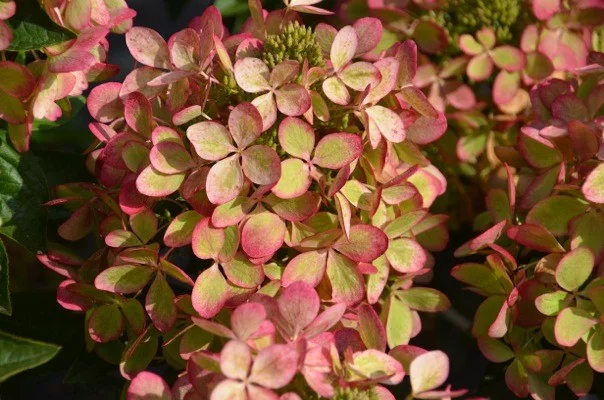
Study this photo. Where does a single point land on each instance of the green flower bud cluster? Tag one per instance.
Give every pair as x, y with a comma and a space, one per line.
355, 394
469, 16
295, 42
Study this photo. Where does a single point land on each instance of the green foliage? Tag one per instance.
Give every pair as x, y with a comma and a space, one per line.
355, 394
5, 304
20, 354
33, 29
295, 42
23, 190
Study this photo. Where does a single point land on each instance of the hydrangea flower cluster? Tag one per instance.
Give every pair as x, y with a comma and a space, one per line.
542, 279
480, 72
36, 83
261, 212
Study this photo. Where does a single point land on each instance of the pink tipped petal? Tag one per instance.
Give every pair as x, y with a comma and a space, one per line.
147, 386
246, 319
207, 241
535, 237
336, 91
308, 267
360, 75
369, 33
294, 180
245, 124
428, 371
267, 107
252, 75
388, 68
180, 231
406, 255
225, 180
571, 324
406, 55
104, 103
366, 243
593, 188
292, 99
296, 137
16, 80
262, 235
469, 45
347, 283
235, 360
159, 304
184, 49
211, 140
545, 9
299, 305
418, 100
261, 165
569, 107
138, 113
274, 366
123, 279
505, 87
388, 122
284, 72
137, 81
170, 158
337, 150
148, 47
344, 47
509, 58
480, 67
151, 182
210, 292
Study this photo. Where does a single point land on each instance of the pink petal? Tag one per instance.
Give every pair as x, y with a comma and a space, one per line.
344, 47
509, 58
406, 55
292, 99
211, 140
545, 9
148, 47
593, 188
245, 124
104, 103
360, 75
369, 33
505, 87
147, 385
170, 158
296, 137
16, 80
235, 360
225, 180
153, 183
138, 113
366, 243
184, 49
336, 91
262, 235
347, 283
274, 366
210, 292
299, 305
252, 75
267, 107
284, 72
469, 45
388, 122
137, 81
308, 267
261, 165
246, 319
337, 150
480, 67
207, 241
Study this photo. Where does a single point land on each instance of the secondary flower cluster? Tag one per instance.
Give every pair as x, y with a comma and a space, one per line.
38, 87
479, 61
544, 310
264, 218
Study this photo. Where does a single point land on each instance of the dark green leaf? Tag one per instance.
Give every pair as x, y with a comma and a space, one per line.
20, 354
33, 29
23, 190
5, 304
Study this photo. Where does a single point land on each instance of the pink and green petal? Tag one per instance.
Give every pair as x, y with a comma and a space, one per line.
261, 165
308, 267
153, 183
274, 366
210, 292
225, 180
337, 150
245, 124
292, 99
262, 235
147, 385
211, 140
344, 47
347, 283
252, 75
148, 47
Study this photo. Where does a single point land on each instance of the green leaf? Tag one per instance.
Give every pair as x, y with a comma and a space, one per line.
574, 268
5, 304
20, 354
399, 323
33, 29
424, 299
23, 190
